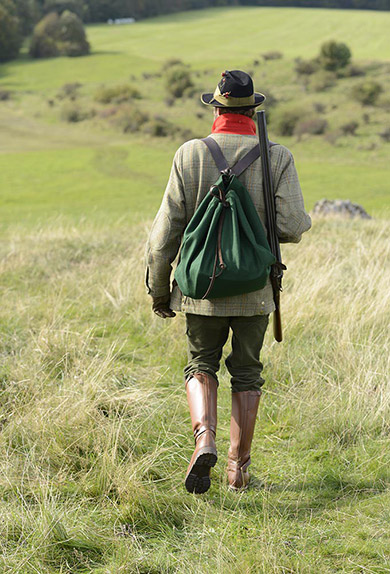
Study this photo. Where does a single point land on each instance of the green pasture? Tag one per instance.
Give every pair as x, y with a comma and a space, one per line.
220, 38
89, 170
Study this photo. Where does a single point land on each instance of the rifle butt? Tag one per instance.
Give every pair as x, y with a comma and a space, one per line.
277, 324
277, 318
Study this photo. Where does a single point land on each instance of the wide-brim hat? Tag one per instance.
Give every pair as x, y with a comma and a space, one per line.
235, 90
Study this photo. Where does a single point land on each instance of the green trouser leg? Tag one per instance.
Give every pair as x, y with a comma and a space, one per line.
206, 337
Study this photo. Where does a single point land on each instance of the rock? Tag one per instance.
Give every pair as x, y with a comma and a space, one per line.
342, 207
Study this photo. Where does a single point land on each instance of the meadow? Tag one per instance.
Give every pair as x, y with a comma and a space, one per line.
95, 434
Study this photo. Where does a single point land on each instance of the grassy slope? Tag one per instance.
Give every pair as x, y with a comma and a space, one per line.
199, 37
95, 433
69, 159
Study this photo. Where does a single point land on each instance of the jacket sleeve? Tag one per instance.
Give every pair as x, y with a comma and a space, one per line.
291, 217
166, 233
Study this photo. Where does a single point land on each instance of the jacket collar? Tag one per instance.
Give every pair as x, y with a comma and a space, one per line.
234, 124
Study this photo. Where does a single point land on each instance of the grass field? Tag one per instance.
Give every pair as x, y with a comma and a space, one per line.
95, 434
50, 167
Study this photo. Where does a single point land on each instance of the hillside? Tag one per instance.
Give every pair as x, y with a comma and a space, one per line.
95, 434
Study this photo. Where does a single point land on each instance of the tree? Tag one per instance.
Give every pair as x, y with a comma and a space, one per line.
58, 35
10, 37
334, 55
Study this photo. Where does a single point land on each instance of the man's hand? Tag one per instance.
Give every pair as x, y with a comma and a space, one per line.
161, 307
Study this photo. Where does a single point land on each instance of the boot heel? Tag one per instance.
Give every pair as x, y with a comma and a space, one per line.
198, 478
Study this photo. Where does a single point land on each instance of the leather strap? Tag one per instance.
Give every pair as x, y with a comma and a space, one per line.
241, 165
217, 154
246, 161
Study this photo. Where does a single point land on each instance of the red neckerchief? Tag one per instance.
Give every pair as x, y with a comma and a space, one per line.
234, 124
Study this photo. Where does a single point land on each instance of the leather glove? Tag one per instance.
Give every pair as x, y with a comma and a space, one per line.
161, 307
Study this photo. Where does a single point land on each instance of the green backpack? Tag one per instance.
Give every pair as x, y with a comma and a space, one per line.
224, 251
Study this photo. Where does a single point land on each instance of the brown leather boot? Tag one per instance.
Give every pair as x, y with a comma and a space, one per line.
242, 426
202, 400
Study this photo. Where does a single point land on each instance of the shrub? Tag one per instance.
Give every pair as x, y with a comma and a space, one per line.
306, 67
159, 127
171, 63
319, 107
5, 95
286, 122
313, 126
332, 137
58, 35
273, 55
73, 114
367, 93
385, 134
117, 94
351, 71
178, 80
349, 129
334, 55
322, 80
129, 119
270, 99
68, 90
10, 37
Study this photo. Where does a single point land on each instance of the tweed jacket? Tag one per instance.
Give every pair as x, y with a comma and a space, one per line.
193, 172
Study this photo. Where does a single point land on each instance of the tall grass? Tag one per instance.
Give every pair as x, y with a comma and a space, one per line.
95, 431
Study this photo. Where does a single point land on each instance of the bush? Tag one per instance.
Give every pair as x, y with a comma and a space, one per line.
5, 95
58, 35
171, 63
159, 127
117, 94
351, 71
286, 122
385, 134
129, 119
69, 90
273, 55
322, 80
178, 80
319, 107
10, 37
367, 93
73, 114
313, 126
349, 129
334, 55
306, 67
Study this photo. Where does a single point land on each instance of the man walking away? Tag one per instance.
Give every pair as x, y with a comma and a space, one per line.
209, 321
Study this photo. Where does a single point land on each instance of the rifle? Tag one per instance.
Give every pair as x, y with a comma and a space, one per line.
277, 268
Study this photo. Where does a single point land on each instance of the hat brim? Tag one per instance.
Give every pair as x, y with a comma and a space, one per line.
209, 100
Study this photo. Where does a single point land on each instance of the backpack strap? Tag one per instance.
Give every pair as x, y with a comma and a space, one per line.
241, 165
217, 154
246, 161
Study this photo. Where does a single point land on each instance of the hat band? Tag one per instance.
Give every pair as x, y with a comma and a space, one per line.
231, 101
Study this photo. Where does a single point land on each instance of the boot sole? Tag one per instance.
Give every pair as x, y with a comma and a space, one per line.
198, 479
